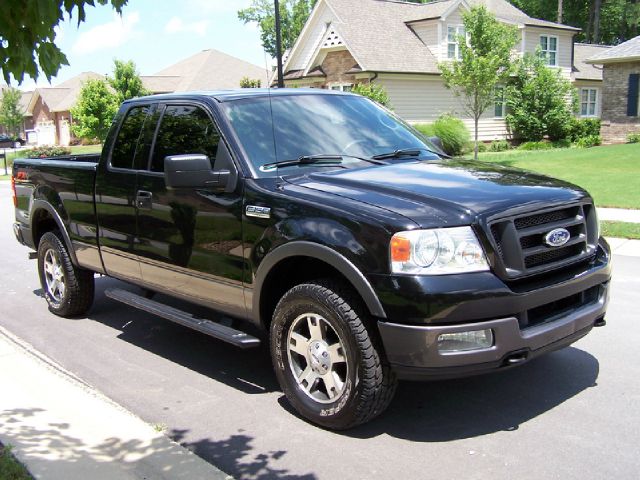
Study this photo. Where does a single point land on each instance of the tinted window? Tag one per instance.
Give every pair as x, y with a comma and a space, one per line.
184, 129
141, 161
124, 148
287, 127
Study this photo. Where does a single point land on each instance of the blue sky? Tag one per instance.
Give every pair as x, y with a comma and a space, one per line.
154, 34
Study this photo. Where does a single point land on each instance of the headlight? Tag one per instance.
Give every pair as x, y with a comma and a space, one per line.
438, 251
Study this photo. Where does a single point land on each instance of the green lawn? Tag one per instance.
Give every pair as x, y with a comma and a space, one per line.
10, 468
620, 229
13, 154
610, 173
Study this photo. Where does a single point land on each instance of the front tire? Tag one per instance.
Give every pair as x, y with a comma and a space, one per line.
68, 289
327, 359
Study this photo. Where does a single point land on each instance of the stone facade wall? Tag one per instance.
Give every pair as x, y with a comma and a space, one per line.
616, 125
336, 64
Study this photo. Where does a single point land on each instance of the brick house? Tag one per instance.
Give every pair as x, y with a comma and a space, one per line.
48, 110
398, 45
620, 94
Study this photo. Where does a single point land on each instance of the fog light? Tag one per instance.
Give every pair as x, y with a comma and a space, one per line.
465, 341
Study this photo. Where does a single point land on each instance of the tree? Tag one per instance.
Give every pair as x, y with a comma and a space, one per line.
27, 34
126, 81
540, 101
94, 111
11, 114
293, 15
485, 63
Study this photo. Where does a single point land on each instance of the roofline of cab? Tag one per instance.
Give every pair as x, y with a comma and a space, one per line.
230, 95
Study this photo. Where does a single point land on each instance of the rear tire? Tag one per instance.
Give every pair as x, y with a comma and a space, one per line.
328, 360
68, 289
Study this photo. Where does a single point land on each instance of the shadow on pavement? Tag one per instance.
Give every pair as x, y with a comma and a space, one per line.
246, 370
234, 455
425, 412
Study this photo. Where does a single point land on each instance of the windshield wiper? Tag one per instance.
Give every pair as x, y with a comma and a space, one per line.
407, 152
314, 159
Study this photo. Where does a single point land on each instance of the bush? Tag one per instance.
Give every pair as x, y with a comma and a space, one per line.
562, 143
427, 129
375, 92
453, 133
246, 82
499, 146
584, 127
482, 147
633, 138
537, 103
588, 141
46, 151
535, 146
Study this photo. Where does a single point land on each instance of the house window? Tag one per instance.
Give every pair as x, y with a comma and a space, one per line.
588, 101
500, 105
549, 49
342, 87
453, 48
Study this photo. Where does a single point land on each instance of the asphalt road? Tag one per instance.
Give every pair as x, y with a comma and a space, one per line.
572, 414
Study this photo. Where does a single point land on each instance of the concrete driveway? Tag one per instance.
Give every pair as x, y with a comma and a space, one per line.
571, 414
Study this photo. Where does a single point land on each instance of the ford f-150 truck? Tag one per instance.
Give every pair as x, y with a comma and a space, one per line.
331, 224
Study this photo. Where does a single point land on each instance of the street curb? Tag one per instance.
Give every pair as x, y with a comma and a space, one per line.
162, 457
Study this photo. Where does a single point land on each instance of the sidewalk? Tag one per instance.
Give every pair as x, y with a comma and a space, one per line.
619, 215
62, 429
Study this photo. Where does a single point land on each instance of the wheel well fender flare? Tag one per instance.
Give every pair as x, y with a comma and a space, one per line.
324, 254
44, 205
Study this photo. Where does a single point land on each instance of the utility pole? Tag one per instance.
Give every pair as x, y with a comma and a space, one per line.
278, 44
560, 8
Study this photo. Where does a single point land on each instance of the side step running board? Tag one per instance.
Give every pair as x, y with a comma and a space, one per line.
213, 329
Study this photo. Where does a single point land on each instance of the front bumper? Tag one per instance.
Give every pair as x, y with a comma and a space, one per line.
525, 322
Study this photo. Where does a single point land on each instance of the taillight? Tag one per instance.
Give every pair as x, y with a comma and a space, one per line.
13, 191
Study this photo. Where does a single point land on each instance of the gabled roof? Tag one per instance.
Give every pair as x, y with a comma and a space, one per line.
583, 70
502, 9
207, 70
63, 96
379, 33
379, 40
628, 51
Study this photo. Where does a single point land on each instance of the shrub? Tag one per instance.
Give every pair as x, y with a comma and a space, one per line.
537, 101
453, 133
46, 151
633, 138
588, 141
427, 129
535, 146
499, 146
375, 92
584, 127
482, 147
246, 82
562, 143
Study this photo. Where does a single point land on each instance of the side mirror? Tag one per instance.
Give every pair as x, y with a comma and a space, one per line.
194, 171
437, 142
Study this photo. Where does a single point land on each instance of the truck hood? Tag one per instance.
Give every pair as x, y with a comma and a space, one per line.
445, 192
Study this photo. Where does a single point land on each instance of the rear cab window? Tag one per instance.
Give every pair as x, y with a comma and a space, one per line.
127, 152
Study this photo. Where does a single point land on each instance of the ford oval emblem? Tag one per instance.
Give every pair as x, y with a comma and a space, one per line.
557, 237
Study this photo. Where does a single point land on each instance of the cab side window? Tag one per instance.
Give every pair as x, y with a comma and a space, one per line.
124, 149
184, 129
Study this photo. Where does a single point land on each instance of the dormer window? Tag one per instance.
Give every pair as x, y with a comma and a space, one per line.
453, 48
549, 49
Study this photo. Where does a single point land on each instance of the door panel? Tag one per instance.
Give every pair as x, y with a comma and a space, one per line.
115, 198
189, 240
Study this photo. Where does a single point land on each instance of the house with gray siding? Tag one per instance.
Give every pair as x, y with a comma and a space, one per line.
398, 45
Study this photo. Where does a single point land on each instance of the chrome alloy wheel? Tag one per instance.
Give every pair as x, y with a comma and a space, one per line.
317, 358
54, 276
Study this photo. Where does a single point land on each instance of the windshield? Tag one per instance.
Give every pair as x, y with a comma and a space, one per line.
307, 125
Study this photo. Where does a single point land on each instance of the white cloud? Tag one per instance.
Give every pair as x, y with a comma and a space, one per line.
176, 25
108, 35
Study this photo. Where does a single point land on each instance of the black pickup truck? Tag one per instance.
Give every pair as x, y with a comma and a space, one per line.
327, 222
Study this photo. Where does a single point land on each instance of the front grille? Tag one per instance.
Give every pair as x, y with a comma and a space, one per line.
520, 244
552, 310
